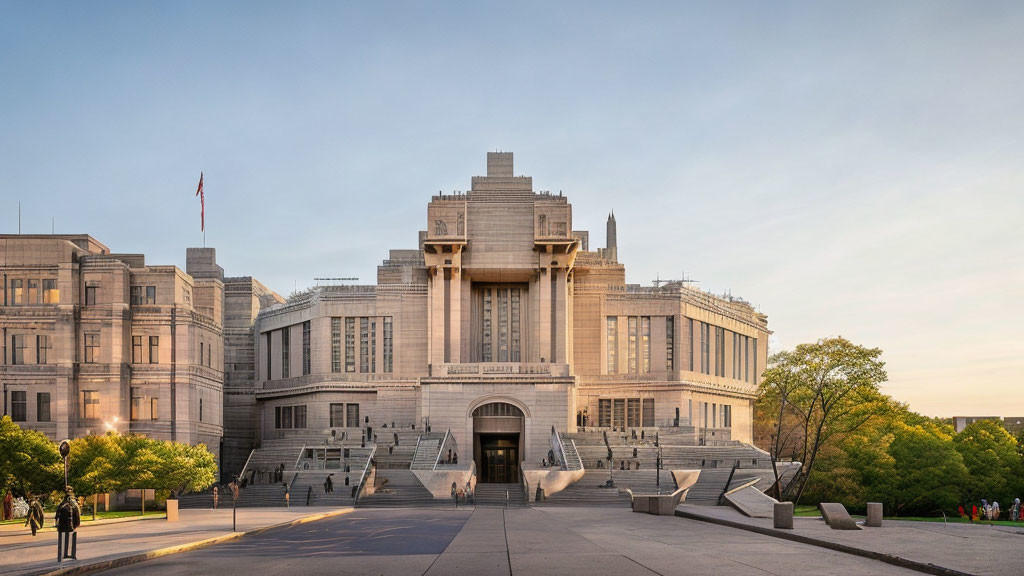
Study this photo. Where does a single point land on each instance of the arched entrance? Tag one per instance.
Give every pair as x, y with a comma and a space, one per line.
497, 442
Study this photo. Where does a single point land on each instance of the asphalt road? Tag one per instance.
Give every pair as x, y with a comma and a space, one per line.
530, 542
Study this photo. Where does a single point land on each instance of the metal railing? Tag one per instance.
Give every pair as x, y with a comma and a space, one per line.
362, 477
245, 467
440, 447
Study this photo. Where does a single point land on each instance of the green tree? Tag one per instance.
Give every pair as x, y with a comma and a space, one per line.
184, 468
928, 472
822, 391
29, 461
992, 458
93, 465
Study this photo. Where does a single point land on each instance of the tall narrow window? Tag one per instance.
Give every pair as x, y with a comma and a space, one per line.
705, 337
670, 344
92, 348
154, 413
202, 352
364, 345
756, 372
300, 416
373, 346
285, 345
270, 355
135, 412
307, 358
350, 344
335, 344
42, 407
135, 293
612, 343
150, 295
42, 348
50, 293
746, 359
631, 354
514, 355
604, 413
352, 415
90, 404
19, 405
90, 295
619, 412
689, 344
632, 412
200, 409
17, 292
726, 416
154, 349
503, 326
388, 345
136, 349
648, 412
337, 413
18, 349
645, 343
486, 353
34, 296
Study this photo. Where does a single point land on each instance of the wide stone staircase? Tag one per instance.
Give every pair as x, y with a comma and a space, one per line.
495, 495
588, 491
401, 490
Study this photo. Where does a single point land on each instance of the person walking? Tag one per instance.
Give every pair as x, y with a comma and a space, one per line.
1015, 510
216, 497
330, 484
8, 506
287, 496
68, 518
455, 494
35, 516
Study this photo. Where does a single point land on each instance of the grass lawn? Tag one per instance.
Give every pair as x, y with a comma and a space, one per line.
806, 510
87, 516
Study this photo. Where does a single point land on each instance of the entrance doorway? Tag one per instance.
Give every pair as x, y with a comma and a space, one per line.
500, 455
498, 430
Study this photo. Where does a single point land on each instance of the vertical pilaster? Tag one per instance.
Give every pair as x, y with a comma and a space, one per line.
544, 320
455, 316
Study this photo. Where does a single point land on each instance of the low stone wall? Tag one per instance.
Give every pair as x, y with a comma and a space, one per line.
439, 481
552, 480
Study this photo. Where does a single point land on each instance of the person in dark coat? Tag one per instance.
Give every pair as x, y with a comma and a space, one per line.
35, 514
68, 518
330, 485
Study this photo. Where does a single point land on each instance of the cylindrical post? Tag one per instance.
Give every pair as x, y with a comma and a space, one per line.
783, 515
874, 519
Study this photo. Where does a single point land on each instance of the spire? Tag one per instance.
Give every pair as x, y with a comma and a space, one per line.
611, 241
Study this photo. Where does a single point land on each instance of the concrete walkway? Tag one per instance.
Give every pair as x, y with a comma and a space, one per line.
521, 541
955, 548
21, 554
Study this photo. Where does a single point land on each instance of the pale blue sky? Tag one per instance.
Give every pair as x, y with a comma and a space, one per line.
851, 168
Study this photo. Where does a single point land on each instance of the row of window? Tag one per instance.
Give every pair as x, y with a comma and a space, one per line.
367, 344
629, 412
744, 352
19, 406
342, 415
638, 353
19, 344
714, 415
143, 407
286, 417
28, 292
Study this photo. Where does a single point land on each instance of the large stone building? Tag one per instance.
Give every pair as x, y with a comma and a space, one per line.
95, 341
501, 326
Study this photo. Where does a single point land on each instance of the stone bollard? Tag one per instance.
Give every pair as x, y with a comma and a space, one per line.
783, 515
539, 496
874, 515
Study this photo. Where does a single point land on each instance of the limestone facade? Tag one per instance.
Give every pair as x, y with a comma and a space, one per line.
502, 303
95, 341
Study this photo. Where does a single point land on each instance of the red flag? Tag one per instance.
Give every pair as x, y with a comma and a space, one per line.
202, 204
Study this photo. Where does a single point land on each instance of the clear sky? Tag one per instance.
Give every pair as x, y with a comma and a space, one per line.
852, 168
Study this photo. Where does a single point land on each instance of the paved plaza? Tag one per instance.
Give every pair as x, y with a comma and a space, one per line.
493, 541
530, 541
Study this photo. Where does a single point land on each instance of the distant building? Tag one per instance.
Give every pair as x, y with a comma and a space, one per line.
1013, 425
95, 341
